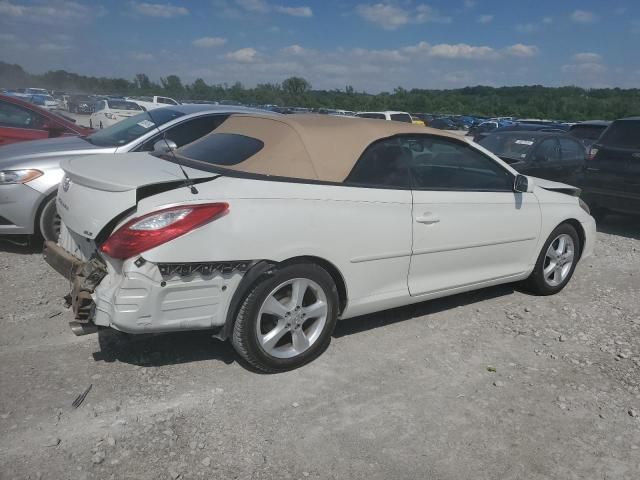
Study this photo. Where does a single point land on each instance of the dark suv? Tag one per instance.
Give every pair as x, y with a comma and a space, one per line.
612, 173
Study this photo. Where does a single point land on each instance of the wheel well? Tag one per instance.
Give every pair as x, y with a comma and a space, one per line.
36, 219
331, 270
580, 230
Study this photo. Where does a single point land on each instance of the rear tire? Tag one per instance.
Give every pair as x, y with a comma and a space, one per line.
287, 319
556, 262
101, 126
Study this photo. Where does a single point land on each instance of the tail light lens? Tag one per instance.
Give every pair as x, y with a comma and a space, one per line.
144, 233
592, 153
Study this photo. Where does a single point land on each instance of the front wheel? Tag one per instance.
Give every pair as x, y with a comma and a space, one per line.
49, 222
287, 319
556, 262
90, 124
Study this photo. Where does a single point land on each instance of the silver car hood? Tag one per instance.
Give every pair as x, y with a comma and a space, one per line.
48, 147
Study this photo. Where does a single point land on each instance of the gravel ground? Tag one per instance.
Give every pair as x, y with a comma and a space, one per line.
495, 384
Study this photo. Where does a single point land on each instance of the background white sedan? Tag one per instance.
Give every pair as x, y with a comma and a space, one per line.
109, 112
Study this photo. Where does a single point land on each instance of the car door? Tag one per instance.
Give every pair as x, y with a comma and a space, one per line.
610, 177
572, 159
18, 123
544, 160
469, 226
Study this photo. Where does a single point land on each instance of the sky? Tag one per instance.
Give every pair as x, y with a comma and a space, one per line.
371, 45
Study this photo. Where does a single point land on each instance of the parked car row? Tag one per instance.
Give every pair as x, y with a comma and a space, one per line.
602, 158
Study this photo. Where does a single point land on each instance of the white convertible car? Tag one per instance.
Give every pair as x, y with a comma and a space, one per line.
269, 229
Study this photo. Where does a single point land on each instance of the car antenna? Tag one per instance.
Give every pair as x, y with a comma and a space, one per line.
188, 183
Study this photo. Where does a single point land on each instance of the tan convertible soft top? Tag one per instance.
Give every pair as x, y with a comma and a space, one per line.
310, 146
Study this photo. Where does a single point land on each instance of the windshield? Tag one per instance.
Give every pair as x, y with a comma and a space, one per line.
587, 132
122, 105
132, 128
509, 145
622, 134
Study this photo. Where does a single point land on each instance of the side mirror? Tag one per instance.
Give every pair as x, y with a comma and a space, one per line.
164, 146
523, 184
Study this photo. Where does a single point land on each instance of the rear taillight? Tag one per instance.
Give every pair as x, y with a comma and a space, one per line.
155, 228
592, 153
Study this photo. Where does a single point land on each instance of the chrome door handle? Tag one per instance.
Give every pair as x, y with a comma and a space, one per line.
427, 219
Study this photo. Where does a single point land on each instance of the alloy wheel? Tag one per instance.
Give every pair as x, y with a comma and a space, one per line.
558, 260
291, 318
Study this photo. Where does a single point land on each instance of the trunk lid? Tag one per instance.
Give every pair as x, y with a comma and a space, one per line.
100, 188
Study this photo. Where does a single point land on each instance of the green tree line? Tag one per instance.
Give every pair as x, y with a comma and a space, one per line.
566, 103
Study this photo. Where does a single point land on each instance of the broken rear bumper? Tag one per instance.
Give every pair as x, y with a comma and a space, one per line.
137, 296
84, 278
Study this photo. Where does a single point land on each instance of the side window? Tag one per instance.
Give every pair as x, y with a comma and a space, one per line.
571, 150
441, 164
99, 106
547, 151
187, 132
377, 116
18, 117
384, 164
166, 101
401, 117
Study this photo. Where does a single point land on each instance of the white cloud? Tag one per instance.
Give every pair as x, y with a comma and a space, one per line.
469, 3
159, 10
485, 18
209, 42
51, 12
587, 57
53, 47
388, 17
294, 50
462, 50
521, 50
259, 6
244, 55
547, 20
393, 56
392, 17
583, 17
262, 6
527, 27
294, 11
620, 10
142, 56
584, 68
